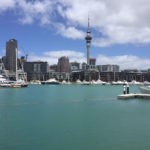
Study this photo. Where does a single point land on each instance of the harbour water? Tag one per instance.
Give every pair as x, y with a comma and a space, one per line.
72, 117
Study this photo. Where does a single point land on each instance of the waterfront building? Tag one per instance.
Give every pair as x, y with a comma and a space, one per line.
11, 55
84, 66
92, 64
108, 68
110, 76
88, 39
53, 68
36, 70
88, 75
92, 61
77, 75
131, 70
74, 66
63, 65
91, 74
128, 75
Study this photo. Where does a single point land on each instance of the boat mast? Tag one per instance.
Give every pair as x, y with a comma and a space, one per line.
16, 64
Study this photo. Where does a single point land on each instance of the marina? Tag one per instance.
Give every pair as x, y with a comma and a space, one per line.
41, 116
74, 75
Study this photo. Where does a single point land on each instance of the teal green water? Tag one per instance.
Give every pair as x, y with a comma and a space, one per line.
72, 117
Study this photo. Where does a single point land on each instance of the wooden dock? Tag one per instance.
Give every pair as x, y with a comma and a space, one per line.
134, 95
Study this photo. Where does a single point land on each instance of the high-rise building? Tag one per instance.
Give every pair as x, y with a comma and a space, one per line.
11, 55
63, 64
88, 39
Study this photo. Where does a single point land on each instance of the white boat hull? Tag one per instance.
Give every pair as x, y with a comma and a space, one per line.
145, 89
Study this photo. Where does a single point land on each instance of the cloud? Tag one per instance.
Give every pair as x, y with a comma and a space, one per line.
115, 21
7, 4
32, 11
112, 21
70, 32
125, 61
52, 56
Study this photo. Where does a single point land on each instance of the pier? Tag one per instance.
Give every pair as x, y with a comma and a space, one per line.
133, 96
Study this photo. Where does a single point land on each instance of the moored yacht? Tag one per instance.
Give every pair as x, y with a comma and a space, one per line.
146, 83
145, 89
134, 82
65, 82
100, 82
2, 79
86, 82
118, 82
35, 82
4, 82
79, 82
51, 81
22, 83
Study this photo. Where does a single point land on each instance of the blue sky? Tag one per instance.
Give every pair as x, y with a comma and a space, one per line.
49, 29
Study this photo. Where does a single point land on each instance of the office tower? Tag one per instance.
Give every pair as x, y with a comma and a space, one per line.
11, 55
63, 64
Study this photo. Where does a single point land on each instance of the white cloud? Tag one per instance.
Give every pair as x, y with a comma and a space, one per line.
7, 4
70, 32
31, 11
115, 21
125, 61
118, 21
52, 56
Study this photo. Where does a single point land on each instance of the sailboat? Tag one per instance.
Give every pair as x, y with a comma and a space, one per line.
19, 82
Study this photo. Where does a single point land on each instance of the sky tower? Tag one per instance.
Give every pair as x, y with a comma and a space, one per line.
88, 39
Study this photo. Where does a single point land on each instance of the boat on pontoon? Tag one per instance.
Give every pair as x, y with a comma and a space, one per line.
51, 81
79, 82
86, 82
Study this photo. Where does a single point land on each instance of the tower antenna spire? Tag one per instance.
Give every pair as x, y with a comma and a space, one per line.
88, 23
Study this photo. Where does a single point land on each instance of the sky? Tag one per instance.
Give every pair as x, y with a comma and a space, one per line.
49, 29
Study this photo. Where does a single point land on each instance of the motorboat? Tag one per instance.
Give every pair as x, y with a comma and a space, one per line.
51, 81
78, 82
65, 82
94, 82
146, 83
4, 82
100, 82
118, 82
35, 82
86, 83
2, 79
145, 89
134, 82
21, 83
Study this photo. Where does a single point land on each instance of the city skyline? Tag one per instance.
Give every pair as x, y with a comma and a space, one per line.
44, 35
